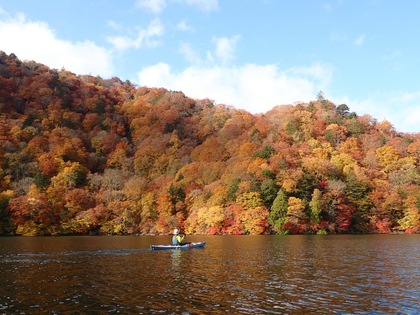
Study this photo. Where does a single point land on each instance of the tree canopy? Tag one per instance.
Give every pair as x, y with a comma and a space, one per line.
81, 154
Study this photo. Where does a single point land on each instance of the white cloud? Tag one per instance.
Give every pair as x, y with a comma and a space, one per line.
224, 51
155, 6
143, 37
183, 26
225, 47
401, 109
189, 53
203, 5
410, 97
360, 40
31, 40
115, 25
256, 88
318, 72
411, 119
406, 106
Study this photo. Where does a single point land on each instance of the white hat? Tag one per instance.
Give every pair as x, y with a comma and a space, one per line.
176, 231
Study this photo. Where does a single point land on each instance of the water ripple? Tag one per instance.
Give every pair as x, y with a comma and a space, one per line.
268, 275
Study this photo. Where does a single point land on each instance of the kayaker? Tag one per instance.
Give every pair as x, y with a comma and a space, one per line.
178, 238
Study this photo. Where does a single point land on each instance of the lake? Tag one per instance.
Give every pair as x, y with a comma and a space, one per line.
332, 274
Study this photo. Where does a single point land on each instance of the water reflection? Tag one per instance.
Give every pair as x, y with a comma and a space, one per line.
232, 275
176, 259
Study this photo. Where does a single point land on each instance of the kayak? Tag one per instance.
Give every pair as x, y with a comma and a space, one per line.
185, 246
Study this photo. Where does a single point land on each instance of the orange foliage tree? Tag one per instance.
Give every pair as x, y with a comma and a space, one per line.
81, 154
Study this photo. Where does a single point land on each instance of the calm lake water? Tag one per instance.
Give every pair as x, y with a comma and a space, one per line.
342, 274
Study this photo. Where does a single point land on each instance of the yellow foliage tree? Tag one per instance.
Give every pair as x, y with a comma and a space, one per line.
250, 200
148, 209
72, 175
290, 179
411, 220
344, 162
316, 206
387, 156
352, 147
218, 194
209, 219
321, 168
295, 211
254, 220
321, 153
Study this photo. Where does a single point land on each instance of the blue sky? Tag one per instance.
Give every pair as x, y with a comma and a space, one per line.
251, 54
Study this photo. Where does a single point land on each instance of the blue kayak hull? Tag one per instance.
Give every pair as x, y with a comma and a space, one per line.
185, 246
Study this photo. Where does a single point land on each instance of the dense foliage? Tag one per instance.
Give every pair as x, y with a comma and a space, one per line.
80, 154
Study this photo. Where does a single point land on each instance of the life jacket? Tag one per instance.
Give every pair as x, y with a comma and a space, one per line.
177, 239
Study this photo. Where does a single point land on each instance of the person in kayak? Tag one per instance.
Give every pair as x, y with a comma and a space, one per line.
178, 238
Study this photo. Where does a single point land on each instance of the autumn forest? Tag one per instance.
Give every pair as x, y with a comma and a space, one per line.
84, 155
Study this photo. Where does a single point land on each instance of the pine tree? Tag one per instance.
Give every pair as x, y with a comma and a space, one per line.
278, 212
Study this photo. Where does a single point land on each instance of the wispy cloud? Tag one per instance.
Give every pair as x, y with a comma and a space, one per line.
223, 52
142, 37
155, 6
184, 26
115, 26
33, 38
225, 47
203, 5
191, 55
359, 41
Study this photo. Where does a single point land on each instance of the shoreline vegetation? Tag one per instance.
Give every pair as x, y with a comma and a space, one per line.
202, 234
82, 155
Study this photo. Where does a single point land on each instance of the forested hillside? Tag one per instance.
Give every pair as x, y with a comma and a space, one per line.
81, 154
